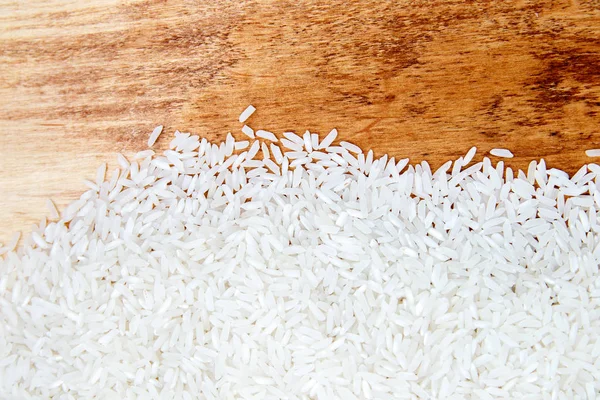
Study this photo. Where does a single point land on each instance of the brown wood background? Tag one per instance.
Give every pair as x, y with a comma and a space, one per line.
81, 80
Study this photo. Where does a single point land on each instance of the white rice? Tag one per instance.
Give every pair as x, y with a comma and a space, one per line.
277, 154
291, 136
54, 214
266, 135
328, 140
123, 163
307, 139
241, 145
253, 149
246, 130
469, 156
11, 246
247, 113
140, 155
593, 153
265, 150
501, 153
317, 272
351, 147
154, 135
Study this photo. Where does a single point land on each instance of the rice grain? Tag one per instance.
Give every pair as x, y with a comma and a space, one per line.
501, 153
310, 271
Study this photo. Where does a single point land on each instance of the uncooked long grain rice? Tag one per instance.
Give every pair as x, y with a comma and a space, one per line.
154, 135
266, 135
241, 145
54, 214
198, 274
505, 153
469, 156
351, 147
246, 130
592, 153
247, 113
328, 140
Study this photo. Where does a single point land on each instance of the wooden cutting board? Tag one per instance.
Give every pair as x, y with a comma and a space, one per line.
80, 81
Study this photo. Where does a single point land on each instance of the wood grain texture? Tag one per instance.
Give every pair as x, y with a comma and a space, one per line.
82, 80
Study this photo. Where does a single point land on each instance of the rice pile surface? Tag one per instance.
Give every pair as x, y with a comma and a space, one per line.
308, 270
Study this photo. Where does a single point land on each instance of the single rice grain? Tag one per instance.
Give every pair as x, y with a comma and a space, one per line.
501, 153
154, 135
247, 113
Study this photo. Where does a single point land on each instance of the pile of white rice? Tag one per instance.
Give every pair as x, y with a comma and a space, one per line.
308, 270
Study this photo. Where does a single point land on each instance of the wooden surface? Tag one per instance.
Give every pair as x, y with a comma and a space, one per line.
81, 80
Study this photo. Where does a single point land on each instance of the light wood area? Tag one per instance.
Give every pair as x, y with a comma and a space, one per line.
82, 80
